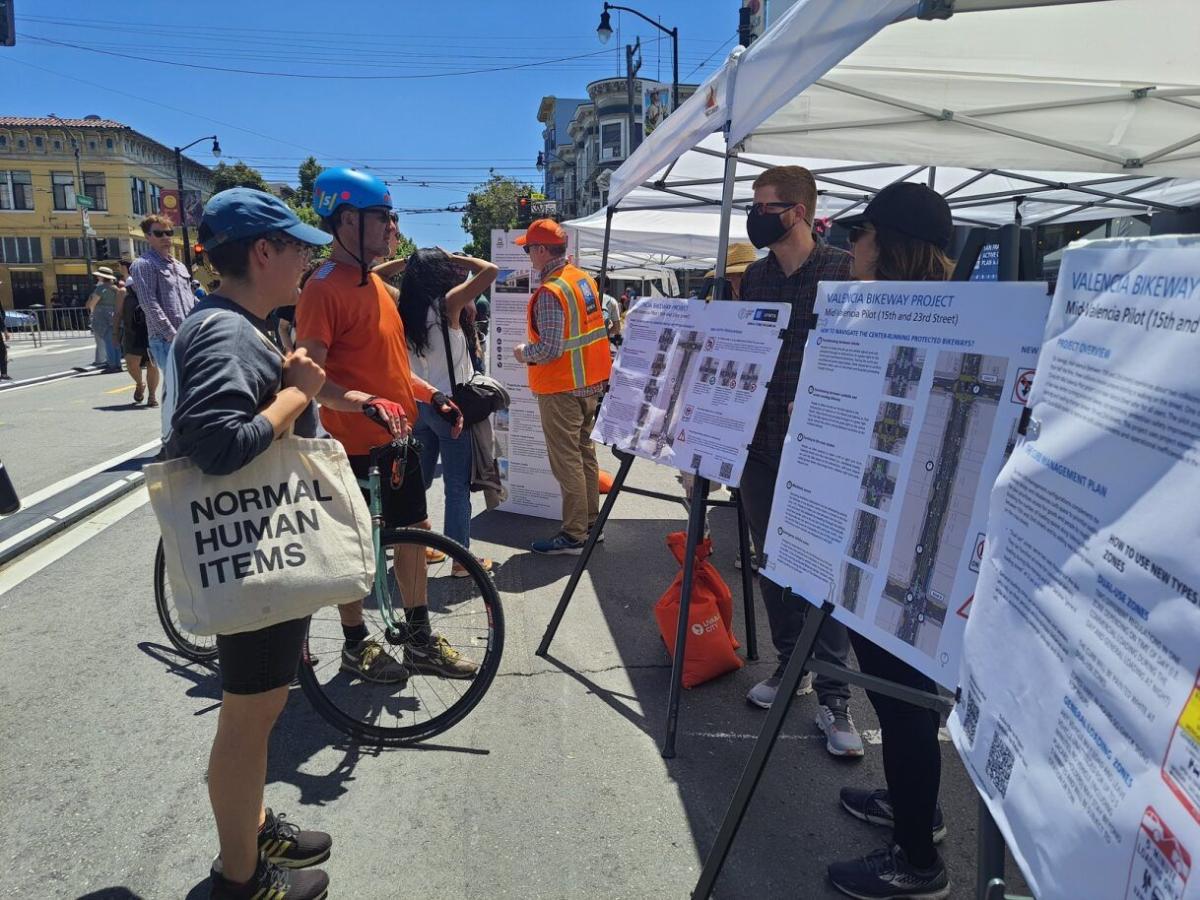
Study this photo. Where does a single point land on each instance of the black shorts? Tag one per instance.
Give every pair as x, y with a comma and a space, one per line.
405, 506
254, 662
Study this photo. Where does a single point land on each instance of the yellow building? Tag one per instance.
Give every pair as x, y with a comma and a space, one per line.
42, 231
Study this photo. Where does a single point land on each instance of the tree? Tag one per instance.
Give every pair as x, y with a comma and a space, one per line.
309, 170
492, 204
238, 175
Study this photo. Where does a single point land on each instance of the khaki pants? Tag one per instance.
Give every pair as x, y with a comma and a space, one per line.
567, 423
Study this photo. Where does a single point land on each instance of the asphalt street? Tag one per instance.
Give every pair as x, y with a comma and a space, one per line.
552, 788
54, 355
51, 431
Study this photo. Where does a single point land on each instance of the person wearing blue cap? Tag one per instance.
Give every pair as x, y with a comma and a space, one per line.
230, 394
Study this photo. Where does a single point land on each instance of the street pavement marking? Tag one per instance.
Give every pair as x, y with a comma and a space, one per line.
122, 390
69, 482
869, 736
51, 378
56, 548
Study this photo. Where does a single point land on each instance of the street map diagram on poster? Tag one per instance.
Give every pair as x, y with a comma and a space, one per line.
909, 401
524, 466
689, 383
1079, 719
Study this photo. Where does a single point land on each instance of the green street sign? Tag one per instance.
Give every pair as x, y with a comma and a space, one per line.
85, 201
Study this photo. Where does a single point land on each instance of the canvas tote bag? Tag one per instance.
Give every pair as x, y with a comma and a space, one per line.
283, 536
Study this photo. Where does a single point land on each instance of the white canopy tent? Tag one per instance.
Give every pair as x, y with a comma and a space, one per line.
1098, 101
679, 217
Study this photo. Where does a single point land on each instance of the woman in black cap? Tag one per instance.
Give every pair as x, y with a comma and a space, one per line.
901, 236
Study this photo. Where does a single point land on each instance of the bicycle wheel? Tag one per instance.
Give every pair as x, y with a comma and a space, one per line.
465, 612
195, 647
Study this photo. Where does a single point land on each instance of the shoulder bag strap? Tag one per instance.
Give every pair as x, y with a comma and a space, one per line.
449, 354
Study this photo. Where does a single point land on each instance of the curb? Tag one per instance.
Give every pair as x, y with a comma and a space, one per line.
55, 376
53, 524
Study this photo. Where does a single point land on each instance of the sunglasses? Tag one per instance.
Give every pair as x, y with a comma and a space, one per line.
306, 251
761, 208
854, 233
386, 215
170, 232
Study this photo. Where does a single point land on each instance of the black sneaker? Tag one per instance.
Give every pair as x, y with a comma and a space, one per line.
888, 875
875, 807
286, 845
270, 881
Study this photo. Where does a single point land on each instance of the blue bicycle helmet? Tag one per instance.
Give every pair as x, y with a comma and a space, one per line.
335, 187
349, 187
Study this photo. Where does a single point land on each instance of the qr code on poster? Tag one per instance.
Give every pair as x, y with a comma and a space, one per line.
695, 466
726, 470
970, 719
999, 764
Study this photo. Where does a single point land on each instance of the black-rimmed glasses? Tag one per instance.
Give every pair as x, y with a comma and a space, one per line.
775, 206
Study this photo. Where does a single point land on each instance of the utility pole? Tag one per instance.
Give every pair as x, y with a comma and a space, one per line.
631, 69
83, 228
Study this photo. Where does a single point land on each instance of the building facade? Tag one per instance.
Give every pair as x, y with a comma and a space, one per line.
44, 163
597, 140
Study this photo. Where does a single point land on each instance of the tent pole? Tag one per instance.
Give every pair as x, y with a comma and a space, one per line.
608, 217
719, 286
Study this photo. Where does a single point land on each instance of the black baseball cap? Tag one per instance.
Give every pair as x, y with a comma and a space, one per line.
909, 208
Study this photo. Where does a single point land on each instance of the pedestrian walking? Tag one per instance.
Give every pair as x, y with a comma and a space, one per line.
569, 363
780, 218
4, 339
433, 298
163, 287
902, 235
135, 344
102, 306
233, 395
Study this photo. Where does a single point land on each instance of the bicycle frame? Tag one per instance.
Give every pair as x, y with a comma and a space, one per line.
374, 485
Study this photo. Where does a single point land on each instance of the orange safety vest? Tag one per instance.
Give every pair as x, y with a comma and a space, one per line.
586, 359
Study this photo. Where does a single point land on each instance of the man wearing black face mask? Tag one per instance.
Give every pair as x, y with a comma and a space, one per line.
785, 199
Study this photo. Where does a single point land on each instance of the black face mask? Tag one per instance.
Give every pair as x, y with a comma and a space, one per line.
765, 229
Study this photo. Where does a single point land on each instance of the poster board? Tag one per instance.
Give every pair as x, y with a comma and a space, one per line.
689, 383
524, 465
1079, 677
656, 105
909, 400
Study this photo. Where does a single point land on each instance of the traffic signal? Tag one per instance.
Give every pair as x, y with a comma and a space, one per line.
101, 243
8, 30
524, 211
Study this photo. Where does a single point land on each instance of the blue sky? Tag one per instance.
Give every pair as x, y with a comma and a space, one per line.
443, 132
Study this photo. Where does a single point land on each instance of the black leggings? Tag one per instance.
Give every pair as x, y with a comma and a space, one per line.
3, 355
912, 758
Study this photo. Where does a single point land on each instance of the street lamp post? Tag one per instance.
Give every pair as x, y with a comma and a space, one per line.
604, 32
85, 240
216, 151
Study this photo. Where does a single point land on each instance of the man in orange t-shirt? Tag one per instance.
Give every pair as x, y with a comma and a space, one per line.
349, 324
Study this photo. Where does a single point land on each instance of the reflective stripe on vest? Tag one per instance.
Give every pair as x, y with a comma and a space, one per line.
574, 346
585, 358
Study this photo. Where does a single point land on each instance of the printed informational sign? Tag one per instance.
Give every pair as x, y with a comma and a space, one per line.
1079, 677
904, 415
689, 383
987, 267
524, 465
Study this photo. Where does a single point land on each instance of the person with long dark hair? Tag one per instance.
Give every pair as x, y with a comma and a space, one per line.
433, 295
902, 235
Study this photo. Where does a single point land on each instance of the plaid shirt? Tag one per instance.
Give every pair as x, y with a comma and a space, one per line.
164, 291
765, 280
548, 314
